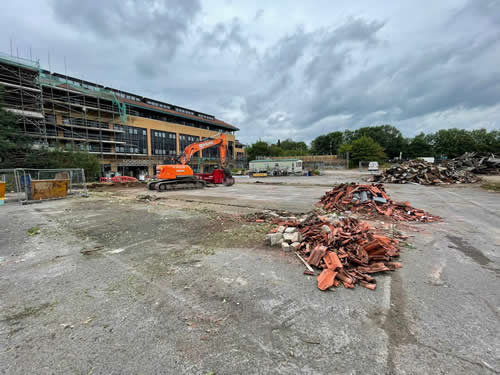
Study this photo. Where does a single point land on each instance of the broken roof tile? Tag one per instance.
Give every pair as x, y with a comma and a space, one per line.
326, 279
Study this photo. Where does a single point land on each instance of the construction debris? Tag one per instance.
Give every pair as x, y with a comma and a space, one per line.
289, 237
370, 200
424, 173
479, 163
345, 249
270, 215
348, 253
147, 197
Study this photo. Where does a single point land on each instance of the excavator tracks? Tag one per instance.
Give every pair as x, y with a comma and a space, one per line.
169, 185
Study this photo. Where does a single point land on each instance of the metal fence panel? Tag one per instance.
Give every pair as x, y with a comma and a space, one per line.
35, 185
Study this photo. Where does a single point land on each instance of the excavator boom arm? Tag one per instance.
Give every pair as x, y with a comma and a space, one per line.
193, 148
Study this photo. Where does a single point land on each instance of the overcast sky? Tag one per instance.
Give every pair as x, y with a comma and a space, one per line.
280, 69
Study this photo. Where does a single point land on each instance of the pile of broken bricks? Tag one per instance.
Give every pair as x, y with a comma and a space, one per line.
371, 200
346, 250
341, 249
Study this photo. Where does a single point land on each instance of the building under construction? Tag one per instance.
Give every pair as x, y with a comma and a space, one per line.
130, 134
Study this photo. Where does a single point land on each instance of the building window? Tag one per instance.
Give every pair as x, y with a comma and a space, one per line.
163, 143
185, 140
135, 138
230, 150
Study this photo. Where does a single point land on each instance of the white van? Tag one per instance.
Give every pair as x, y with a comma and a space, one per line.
373, 166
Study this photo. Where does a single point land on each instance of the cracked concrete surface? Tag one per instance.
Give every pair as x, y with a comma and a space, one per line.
181, 285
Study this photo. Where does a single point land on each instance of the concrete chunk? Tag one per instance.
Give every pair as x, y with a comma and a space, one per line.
326, 229
379, 199
281, 229
290, 230
292, 237
285, 246
295, 246
274, 239
363, 196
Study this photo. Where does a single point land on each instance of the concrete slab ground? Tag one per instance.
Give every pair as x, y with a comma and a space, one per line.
183, 285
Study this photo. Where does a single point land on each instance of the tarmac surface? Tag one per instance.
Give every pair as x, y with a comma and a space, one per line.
183, 285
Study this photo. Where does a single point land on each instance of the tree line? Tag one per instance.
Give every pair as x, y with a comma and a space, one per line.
385, 142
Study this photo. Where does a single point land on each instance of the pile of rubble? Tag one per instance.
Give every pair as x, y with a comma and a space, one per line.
270, 216
287, 236
479, 163
424, 173
345, 250
371, 200
147, 197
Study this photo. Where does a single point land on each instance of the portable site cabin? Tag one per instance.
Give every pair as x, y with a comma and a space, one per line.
277, 167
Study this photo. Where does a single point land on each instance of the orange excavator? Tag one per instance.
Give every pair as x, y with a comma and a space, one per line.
181, 176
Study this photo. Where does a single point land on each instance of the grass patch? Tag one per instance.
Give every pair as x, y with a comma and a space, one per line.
33, 231
491, 186
246, 235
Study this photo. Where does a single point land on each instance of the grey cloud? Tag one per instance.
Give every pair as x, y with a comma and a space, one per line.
153, 23
258, 14
311, 62
333, 50
485, 10
355, 30
226, 37
284, 54
434, 77
146, 67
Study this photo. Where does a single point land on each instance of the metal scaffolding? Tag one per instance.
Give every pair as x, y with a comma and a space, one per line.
23, 94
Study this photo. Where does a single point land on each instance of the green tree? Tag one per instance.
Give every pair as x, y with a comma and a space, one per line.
419, 146
345, 148
366, 149
287, 147
388, 136
349, 136
453, 142
275, 150
320, 146
486, 141
259, 148
327, 144
291, 148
